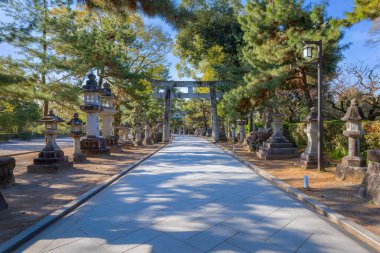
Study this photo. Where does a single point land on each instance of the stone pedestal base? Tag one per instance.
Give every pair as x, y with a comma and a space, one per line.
370, 187
351, 173
138, 143
3, 203
111, 141
147, 142
7, 164
94, 146
308, 161
77, 158
277, 151
50, 161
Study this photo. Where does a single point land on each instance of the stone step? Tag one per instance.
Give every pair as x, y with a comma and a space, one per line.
281, 151
278, 145
277, 157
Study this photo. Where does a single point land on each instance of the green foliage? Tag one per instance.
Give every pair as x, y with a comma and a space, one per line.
213, 52
16, 116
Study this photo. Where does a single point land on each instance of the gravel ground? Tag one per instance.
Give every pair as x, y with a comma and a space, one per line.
338, 195
36, 195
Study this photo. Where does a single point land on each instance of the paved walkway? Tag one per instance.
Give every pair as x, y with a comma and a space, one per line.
14, 147
192, 197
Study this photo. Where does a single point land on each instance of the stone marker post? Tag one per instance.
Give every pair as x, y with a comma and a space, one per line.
233, 131
352, 166
147, 140
241, 124
138, 137
76, 132
309, 158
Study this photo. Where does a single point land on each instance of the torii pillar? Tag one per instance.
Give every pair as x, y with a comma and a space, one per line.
215, 129
166, 132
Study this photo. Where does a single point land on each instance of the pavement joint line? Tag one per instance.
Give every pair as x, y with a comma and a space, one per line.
304, 242
354, 229
19, 239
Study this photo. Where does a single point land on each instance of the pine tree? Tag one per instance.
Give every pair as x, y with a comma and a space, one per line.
28, 30
274, 32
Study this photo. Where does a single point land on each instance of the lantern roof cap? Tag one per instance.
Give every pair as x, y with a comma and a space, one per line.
91, 83
354, 112
106, 90
76, 120
51, 118
313, 115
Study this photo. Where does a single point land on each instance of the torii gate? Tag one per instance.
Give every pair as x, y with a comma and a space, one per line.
190, 85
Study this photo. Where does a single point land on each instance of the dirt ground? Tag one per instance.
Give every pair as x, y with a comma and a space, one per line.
338, 195
36, 195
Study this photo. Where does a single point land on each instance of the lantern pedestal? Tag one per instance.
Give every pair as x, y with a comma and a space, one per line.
94, 146
78, 156
277, 147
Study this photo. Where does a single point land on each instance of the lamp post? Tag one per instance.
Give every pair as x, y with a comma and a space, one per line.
308, 54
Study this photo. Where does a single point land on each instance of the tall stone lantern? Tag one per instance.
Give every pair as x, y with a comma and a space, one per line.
233, 131
352, 166
309, 158
241, 124
92, 145
77, 132
51, 159
108, 112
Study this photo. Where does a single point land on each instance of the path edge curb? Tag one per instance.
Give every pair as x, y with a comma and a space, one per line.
341, 221
19, 239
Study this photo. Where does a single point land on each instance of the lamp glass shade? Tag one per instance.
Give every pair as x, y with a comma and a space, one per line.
307, 52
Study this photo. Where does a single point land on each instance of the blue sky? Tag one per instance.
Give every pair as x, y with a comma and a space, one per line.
357, 35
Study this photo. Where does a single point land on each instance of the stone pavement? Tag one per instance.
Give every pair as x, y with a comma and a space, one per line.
14, 147
192, 197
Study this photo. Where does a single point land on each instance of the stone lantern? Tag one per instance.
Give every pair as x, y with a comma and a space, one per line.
51, 159
108, 112
147, 140
92, 144
138, 136
77, 132
233, 131
277, 147
309, 158
352, 165
241, 124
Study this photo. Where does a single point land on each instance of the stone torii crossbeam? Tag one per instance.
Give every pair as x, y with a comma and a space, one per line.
169, 92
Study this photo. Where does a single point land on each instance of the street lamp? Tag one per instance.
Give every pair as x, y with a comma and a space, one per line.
308, 54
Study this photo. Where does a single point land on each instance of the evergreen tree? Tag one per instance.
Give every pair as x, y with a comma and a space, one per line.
209, 45
28, 30
274, 32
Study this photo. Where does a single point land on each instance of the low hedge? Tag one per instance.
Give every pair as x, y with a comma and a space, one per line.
335, 143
